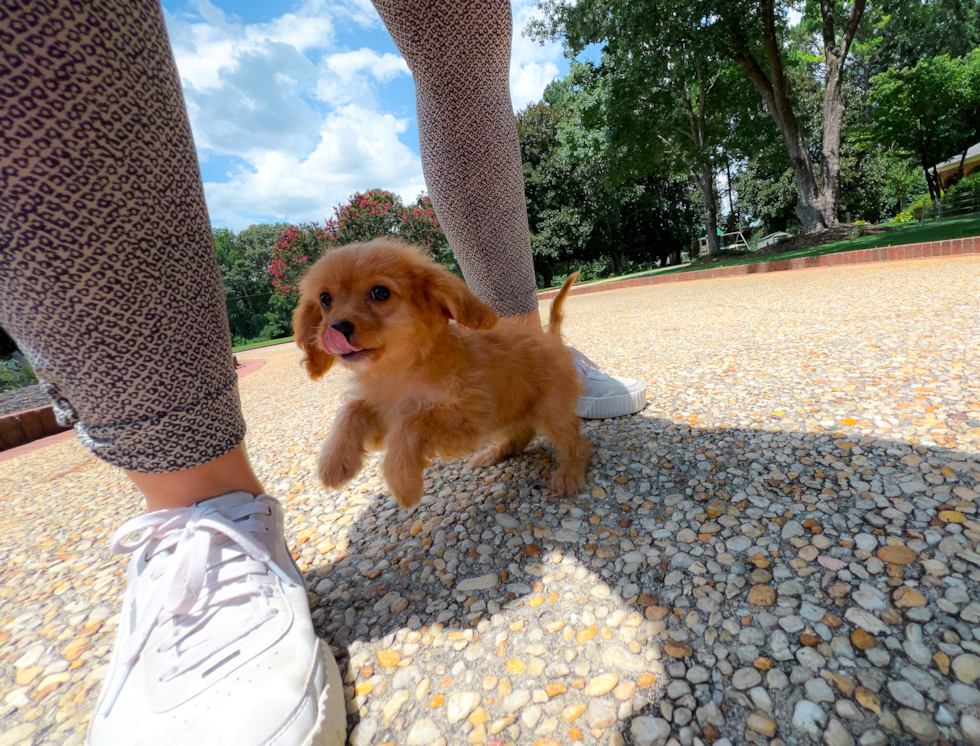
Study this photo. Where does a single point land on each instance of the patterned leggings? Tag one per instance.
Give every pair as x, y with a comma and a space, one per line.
108, 279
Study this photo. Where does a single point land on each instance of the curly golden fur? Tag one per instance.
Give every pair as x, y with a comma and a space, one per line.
426, 387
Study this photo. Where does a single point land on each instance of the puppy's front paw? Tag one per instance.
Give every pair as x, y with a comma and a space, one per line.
566, 484
407, 501
407, 492
406, 485
337, 469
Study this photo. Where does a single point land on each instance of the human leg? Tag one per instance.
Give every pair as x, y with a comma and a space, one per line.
230, 472
459, 55
109, 284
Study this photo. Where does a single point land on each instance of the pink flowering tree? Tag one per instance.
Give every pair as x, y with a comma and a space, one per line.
365, 216
297, 247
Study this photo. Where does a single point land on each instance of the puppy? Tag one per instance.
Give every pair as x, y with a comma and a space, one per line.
426, 387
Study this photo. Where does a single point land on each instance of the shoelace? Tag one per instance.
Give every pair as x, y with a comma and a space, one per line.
182, 541
586, 367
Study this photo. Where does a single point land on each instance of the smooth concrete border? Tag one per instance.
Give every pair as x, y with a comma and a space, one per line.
929, 250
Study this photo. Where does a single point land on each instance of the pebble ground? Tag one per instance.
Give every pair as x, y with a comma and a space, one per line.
780, 549
26, 397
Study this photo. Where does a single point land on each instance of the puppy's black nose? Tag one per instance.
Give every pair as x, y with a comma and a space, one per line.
344, 327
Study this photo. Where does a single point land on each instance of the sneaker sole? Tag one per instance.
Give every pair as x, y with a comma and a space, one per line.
604, 407
331, 727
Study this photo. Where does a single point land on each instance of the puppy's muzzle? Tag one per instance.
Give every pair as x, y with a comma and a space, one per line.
344, 327
336, 340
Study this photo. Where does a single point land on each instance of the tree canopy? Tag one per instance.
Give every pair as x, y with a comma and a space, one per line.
929, 111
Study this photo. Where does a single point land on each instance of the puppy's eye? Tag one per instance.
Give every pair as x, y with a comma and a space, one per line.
380, 292
325, 300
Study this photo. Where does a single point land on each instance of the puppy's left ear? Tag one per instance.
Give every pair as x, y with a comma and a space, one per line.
456, 300
306, 327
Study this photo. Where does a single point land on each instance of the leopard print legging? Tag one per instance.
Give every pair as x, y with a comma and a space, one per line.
108, 279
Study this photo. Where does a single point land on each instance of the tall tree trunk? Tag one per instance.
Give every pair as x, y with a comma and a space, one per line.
706, 180
835, 56
959, 171
833, 119
728, 177
776, 99
808, 205
817, 204
932, 188
545, 269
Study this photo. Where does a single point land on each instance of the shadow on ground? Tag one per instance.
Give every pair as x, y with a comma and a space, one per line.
647, 576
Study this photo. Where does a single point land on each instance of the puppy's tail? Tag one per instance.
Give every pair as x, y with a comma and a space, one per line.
554, 321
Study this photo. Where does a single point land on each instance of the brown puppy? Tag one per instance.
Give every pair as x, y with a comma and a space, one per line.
423, 386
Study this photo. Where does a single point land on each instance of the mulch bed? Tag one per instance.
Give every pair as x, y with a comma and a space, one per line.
799, 242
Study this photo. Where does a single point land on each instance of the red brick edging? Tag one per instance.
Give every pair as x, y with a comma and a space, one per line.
951, 247
26, 431
26, 426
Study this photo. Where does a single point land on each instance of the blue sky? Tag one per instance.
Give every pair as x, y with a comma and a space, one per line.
296, 105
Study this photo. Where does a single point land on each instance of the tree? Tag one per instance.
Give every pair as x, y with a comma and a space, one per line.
558, 232
674, 110
243, 261
7, 345
906, 31
586, 209
750, 33
364, 216
930, 111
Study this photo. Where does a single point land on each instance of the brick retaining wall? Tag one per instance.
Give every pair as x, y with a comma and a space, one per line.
30, 425
20, 428
932, 249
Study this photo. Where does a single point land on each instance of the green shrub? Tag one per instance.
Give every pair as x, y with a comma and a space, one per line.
969, 185
15, 378
908, 214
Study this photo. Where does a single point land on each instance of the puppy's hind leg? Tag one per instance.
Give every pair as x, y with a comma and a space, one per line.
573, 453
514, 442
342, 454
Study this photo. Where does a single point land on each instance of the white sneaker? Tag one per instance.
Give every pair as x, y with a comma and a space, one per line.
216, 646
605, 395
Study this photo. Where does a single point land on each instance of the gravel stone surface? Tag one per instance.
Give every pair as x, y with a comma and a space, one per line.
26, 397
780, 549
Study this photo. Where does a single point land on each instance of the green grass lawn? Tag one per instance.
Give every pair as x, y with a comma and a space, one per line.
253, 345
905, 233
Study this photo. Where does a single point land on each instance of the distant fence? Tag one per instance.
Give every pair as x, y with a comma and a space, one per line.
954, 206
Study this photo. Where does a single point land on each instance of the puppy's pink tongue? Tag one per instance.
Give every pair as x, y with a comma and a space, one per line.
336, 343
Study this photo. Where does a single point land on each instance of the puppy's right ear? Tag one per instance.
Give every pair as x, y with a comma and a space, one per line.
306, 328
455, 299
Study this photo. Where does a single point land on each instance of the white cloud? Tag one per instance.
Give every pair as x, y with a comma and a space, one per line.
532, 65
358, 149
257, 104
308, 132
311, 27
351, 76
293, 101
